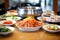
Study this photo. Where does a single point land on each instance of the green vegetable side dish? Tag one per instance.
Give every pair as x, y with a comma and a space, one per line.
9, 17
4, 29
12, 18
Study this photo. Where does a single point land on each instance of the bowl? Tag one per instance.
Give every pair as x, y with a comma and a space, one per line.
6, 33
6, 22
26, 11
53, 31
15, 18
42, 18
28, 28
53, 20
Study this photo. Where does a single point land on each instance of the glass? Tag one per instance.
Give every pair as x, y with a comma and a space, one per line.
49, 4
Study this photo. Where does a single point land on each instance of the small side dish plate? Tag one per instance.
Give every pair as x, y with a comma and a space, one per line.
13, 18
51, 28
7, 22
42, 18
3, 30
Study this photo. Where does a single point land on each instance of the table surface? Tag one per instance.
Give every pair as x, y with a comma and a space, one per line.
38, 35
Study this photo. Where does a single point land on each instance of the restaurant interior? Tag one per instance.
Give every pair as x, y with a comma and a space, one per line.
29, 19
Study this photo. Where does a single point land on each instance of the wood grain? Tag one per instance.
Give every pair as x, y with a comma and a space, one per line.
6, 4
55, 6
38, 35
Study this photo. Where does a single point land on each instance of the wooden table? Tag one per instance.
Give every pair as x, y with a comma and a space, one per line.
38, 35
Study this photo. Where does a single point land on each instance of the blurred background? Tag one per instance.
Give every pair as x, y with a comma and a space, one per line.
45, 4
13, 4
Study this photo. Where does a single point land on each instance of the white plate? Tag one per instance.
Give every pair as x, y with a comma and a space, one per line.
28, 28
11, 18
6, 33
11, 13
1, 22
39, 18
52, 20
44, 27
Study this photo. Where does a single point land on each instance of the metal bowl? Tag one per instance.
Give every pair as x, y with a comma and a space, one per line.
26, 11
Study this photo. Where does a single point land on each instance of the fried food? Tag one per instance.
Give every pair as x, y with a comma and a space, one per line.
30, 22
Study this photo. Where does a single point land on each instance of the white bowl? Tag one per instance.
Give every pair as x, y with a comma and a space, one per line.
28, 28
1, 22
39, 18
49, 19
9, 13
44, 27
6, 33
11, 18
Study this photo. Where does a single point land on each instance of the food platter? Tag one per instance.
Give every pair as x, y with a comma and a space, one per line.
28, 29
29, 24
